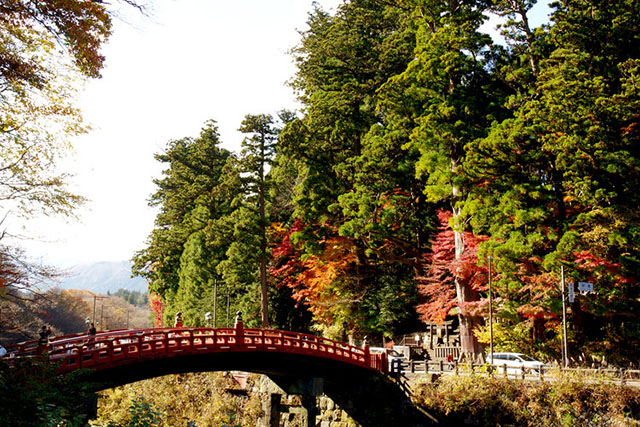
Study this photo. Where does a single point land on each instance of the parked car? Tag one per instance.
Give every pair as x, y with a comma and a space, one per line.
516, 362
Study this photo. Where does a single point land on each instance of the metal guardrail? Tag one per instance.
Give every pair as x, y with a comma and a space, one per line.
618, 375
112, 348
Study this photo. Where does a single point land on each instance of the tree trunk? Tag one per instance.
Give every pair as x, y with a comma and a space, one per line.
468, 341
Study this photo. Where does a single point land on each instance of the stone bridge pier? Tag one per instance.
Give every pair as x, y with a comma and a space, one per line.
371, 400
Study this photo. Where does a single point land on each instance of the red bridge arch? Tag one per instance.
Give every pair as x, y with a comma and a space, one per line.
128, 355
349, 375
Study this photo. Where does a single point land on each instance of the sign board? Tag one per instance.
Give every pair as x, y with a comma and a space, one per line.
585, 286
572, 295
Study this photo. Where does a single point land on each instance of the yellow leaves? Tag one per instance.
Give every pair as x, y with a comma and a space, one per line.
339, 254
38, 119
326, 281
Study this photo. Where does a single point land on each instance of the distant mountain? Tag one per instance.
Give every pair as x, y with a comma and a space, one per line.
101, 277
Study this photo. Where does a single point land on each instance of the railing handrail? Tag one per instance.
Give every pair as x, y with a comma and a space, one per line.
106, 348
610, 374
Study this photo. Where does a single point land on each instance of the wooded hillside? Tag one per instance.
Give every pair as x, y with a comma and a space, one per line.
422, 148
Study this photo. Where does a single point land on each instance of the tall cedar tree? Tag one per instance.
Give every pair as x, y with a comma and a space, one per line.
454, 97
556, 183
352, 177
178, 261
258, 151
245, 266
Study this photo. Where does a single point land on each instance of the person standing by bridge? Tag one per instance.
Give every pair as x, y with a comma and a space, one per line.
43, 340
92, 330
178, 322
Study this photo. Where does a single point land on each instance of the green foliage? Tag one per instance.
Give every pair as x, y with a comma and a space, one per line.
204, 399
553, 183
408, 110
35, 395
140, 299
247, 255
353, 178
497, 401
142, 415
191, 198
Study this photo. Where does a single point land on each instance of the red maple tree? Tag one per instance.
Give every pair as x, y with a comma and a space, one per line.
437, 285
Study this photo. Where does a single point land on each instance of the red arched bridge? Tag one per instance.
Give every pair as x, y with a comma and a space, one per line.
184, 349
299, 363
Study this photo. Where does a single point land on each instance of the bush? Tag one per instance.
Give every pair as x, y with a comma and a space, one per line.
498, 401
33, 394
203, 399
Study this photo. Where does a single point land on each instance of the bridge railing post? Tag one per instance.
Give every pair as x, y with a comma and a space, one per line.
367, 357
239, 333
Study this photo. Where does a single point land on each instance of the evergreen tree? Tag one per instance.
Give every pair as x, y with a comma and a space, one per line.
555, 181
445, 99
248, 252
178, 261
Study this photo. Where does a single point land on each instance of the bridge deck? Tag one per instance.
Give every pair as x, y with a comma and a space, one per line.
113, 348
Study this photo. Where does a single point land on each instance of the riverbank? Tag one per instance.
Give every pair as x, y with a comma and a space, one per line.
484, 401
217, 399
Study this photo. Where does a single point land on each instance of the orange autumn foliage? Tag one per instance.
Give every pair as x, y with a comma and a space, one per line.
318, 281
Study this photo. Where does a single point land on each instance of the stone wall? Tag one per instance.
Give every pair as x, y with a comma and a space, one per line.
293, 411
370, 400
331, 415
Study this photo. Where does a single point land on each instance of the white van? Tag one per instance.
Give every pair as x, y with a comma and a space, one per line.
516, 362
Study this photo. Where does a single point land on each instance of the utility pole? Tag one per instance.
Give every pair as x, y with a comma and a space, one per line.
565, 347
490, 314
96, 297
228, 306
215, 302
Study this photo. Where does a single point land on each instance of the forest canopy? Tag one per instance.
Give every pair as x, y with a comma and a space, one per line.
422, 148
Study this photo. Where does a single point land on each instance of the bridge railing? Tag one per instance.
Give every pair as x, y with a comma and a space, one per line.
614, 375
112, 348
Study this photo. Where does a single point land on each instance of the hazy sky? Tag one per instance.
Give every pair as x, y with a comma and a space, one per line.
191, 61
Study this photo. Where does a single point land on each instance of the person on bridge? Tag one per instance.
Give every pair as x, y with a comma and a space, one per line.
43, 340
92, 330
178, 322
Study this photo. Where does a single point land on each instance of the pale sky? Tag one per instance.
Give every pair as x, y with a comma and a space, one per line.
191, 61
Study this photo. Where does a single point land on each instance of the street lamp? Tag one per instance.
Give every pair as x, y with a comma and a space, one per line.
490, 313
565, 346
